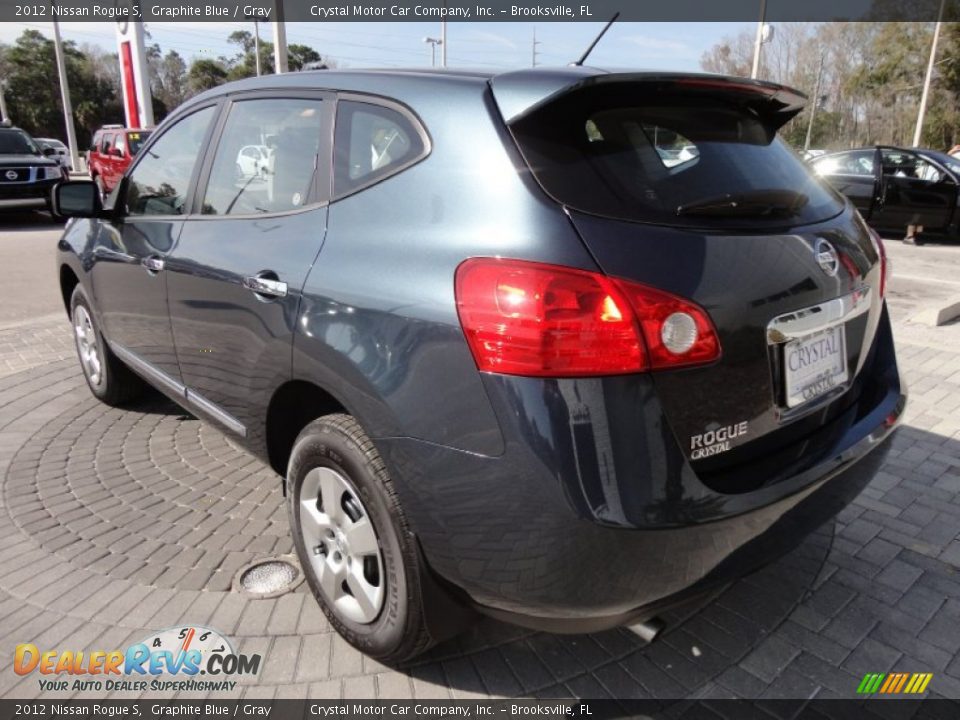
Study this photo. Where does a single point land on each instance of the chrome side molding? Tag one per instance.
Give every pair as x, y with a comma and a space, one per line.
179, 390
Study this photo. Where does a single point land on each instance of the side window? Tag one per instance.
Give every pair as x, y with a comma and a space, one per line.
852, 163
372, 142
897, 163
158, 184
106, 143
288, 132
120, 145
95, 143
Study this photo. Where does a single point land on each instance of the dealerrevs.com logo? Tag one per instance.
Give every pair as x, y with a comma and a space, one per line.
147, 665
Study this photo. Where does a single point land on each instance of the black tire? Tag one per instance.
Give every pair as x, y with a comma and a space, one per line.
338, 442
117, 384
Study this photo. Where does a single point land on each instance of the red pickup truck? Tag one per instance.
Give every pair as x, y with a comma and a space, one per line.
111, 151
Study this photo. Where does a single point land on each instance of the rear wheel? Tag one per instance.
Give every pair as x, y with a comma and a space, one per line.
360, 560
109, 380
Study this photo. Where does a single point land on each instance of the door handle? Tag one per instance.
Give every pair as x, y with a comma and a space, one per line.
266, 286
153, 264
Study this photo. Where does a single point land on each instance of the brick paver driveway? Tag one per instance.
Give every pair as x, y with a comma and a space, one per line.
118, 523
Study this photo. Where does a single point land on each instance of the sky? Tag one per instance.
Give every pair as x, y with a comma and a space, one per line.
662, 46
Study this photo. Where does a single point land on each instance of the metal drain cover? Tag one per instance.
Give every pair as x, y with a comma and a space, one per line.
269, 577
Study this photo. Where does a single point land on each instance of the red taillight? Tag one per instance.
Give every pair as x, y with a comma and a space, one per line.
884, 263
656, 310
526, 318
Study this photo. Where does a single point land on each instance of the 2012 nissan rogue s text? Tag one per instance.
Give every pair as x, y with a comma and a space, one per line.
564, 346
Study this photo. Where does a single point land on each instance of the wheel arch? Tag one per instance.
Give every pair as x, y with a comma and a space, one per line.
68, 282
293, 406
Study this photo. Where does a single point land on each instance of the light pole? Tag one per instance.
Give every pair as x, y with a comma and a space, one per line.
256, 39
4, 115
764, 35
433, 42
65, 97
926, 81
280, 40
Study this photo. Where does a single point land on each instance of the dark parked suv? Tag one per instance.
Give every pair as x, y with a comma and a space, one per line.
27, 171
563, 346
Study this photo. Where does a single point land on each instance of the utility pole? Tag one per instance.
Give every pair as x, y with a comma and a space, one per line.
4, 115
816, 101
280, 39
443, 42
926, 81
256, 41
758, 43
65, 97
533, 47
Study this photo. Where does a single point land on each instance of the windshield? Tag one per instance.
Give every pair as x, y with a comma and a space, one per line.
136, 139
17, 142
668, 157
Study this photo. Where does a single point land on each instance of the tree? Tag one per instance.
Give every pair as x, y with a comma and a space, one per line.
33, 92
299, 55
205, 74
245, 64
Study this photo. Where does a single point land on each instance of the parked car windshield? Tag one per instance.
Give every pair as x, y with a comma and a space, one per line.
630, 153
136, 139
17, 142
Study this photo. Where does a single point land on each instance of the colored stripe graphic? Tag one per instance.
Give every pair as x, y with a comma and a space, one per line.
894, 683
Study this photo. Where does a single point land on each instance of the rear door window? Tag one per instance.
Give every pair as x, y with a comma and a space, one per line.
669, 157
291, 132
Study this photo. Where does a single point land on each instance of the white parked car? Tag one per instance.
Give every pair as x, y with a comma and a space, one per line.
253, 161
61, 151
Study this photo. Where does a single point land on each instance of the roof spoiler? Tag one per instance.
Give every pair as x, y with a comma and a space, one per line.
523, 92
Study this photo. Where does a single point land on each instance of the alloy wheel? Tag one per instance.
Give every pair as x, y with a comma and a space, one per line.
342, 546
87, 347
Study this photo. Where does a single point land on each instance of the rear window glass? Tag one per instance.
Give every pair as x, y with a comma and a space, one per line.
656, 156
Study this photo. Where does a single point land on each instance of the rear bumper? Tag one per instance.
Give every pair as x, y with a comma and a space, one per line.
592, 517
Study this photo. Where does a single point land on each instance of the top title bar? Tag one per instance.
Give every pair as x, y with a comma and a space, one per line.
476, 11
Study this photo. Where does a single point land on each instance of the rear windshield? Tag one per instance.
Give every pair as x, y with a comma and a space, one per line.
666, 157
136, 139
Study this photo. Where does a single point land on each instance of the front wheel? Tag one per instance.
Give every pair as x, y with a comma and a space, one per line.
109, 380
351, 536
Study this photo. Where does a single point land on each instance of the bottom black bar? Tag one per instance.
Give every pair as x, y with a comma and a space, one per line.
889, 709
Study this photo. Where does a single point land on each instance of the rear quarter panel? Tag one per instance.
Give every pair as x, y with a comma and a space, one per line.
379, 325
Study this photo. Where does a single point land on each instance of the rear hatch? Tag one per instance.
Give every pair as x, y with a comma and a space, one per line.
679, 182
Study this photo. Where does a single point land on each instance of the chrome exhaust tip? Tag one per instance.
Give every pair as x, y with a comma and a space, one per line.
648, 629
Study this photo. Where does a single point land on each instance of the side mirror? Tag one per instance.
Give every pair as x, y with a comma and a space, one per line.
77, 198
48, 151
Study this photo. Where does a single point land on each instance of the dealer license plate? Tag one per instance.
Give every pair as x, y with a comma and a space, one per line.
815, 364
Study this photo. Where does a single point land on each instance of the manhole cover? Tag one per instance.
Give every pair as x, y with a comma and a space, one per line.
269, 577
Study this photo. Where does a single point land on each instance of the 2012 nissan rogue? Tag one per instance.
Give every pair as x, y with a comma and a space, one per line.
564, 346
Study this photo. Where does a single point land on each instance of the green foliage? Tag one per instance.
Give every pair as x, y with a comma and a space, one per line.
32, 89
299, 55
33, 92
205, 74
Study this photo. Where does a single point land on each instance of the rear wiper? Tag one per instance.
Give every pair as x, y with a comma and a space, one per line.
758, 203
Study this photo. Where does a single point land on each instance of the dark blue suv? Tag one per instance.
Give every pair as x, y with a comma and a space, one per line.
567, 347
